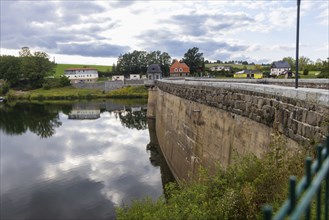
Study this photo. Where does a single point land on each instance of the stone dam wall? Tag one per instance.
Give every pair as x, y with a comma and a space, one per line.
203, 124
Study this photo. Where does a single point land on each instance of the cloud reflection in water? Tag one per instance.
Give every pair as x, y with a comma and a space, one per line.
82, 172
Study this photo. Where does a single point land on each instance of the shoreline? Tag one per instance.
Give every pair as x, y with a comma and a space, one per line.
70, 93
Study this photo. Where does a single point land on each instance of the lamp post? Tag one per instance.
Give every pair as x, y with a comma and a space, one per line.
297, 43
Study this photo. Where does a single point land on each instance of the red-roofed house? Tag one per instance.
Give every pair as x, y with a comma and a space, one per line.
81, 75
179, 69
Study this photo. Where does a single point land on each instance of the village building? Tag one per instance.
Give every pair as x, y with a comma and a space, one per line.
220, 68
84, 114
81, 75
280, 68
134, 76
154, 72
178, 69
118, 77
248, 74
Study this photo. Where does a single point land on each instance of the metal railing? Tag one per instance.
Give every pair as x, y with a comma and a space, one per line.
310, 186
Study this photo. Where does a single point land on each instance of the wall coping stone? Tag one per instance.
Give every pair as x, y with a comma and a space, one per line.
310, 95
261, 81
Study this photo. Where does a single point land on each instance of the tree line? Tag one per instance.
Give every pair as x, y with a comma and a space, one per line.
136, 62
28, 71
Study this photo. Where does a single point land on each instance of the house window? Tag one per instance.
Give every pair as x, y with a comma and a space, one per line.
175, 70
180, 70
150, 77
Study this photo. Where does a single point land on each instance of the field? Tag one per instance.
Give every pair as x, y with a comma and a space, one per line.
61, 67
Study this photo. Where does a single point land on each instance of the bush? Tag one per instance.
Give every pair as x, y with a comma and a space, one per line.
46, 86
227, 74
305, 72
64, 81
323, 74
4, 89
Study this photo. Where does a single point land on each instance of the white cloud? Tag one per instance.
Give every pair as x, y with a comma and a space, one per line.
107, 29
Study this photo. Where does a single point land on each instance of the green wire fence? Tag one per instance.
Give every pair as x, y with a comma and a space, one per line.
309, 189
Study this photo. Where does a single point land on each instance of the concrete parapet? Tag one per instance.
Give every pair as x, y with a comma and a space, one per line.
302, 83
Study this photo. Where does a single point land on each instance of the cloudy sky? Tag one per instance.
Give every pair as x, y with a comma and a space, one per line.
97, 32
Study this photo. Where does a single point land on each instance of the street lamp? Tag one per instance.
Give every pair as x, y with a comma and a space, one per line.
297, 44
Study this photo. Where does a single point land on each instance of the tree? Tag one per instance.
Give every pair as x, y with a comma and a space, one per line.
258, 67
324, 69
10, 69
114, 68
138, 61
35, 67
194, 60
165, 61
132, 63
303, 62
291, 62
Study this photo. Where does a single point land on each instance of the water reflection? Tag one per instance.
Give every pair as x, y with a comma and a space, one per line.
157, 158
85, 111
42, 119
37, 118
83, 169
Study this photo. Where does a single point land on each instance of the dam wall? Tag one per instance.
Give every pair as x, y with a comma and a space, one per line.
208, 124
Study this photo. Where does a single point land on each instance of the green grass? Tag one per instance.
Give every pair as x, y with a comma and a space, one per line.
61, 67
73, 93
311, 74
131, 92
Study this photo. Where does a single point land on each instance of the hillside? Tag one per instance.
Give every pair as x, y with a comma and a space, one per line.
249, 67
61, 67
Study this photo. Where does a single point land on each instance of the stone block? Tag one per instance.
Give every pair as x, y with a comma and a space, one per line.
312, 118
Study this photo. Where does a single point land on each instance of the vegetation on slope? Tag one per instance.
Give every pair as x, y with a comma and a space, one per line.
237, 193
73, 93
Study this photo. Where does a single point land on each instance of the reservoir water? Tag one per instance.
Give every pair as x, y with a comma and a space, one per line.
76, 160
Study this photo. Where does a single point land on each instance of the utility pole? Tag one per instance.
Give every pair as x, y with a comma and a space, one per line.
297, 44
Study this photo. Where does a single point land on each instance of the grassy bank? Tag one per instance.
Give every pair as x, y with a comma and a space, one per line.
73, 93
239, 192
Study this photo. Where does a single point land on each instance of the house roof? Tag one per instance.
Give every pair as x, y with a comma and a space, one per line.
154, 68
178, 65
81, 69
281, 64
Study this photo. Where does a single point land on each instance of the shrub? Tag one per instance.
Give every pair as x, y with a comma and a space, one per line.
305, 72
46, 86
227, 74
323, 74
64, 81
4, 89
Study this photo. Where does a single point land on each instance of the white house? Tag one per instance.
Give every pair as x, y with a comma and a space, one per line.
81, 75
84, 114
220, 68
134, 76
280, 68
118, 77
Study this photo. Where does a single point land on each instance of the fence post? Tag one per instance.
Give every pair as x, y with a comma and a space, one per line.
267, 211
308, 164
292, 193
